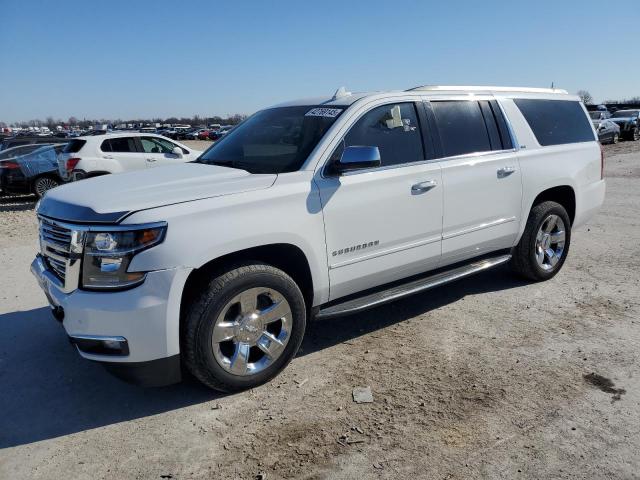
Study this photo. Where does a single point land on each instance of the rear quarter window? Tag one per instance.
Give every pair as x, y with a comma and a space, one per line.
556, 122
74, 146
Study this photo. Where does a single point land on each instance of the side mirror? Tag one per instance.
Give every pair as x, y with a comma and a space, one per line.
357, 158
177, 151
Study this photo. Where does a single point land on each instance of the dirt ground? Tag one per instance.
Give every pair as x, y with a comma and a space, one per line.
490, 377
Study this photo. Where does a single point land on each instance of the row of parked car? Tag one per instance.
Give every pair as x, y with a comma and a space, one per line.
194, 133
34, 165
621, 124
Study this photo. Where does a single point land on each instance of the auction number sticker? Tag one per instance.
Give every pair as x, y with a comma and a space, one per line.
323, 112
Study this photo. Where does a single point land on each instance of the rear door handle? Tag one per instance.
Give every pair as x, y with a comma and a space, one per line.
108, 157
151, 159
505, 171
423, 186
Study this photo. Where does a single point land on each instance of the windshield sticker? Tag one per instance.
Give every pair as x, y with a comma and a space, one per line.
323, 112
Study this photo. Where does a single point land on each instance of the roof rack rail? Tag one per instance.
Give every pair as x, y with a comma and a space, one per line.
486, 88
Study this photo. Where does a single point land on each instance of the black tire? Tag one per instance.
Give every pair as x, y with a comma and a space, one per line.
43, 184
615, 139
635, 135
523, 260
198, 324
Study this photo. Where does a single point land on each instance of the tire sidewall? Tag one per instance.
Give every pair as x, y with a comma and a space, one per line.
283, 285
548, 208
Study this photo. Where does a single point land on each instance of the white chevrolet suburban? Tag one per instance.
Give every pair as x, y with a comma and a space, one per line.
313, 209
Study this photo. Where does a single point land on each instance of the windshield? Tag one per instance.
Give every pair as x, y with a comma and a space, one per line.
275, 140
625, 113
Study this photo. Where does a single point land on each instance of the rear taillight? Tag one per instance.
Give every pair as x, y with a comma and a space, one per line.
9, 165
601, 163
71, 164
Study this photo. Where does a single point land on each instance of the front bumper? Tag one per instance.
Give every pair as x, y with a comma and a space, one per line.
147, 317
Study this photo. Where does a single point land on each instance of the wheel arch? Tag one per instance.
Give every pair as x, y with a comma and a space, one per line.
287, 257
565, 195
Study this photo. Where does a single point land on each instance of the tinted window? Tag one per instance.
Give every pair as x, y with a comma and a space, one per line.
556, 122
461, 127
394, 129
123, 144
74, 146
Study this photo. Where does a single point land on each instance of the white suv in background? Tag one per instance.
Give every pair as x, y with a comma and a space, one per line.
314, 208
92, 156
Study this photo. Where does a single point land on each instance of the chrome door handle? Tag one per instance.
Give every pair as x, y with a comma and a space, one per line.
108, 157
505, 171
151, 159
423, 186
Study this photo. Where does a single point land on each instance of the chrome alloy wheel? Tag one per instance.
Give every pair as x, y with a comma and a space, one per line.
252, 331
550, 242
43, 185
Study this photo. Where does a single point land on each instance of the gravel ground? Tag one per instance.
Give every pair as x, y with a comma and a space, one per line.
490, 377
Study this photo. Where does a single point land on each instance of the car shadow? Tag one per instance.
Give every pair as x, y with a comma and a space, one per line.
49, 391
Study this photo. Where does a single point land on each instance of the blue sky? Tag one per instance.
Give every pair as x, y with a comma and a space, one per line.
128, 59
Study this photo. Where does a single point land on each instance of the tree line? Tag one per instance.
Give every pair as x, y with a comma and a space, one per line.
195, 120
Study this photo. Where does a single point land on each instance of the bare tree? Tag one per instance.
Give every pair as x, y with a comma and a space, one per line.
586, 97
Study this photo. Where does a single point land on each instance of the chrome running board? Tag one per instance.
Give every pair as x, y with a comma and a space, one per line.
400, 291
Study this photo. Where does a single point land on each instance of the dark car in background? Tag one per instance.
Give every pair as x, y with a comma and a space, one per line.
608, 131
22, 140
629, 123
35, 172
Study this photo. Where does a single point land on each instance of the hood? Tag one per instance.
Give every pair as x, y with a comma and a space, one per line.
110, 198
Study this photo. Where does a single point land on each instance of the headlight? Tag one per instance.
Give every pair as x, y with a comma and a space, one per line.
107, 256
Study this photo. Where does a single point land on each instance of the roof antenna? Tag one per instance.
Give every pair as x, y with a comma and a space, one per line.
552, 84
341, 92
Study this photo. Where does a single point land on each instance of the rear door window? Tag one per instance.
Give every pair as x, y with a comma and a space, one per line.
120, 145
556, 122
462, 128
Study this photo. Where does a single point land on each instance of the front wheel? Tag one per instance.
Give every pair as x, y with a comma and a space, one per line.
244, 328
545, 242
616, 138
43, 184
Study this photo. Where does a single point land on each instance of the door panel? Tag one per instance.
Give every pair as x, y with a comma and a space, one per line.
377, 229
482, 205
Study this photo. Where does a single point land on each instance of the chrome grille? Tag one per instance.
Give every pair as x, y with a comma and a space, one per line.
55, 246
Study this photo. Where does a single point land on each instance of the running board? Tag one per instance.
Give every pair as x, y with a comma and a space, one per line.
379, 298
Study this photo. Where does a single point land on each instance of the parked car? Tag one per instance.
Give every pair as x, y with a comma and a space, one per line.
203, 134
316, 210
193, 134
628, 122
120, 152
607, 130
220, 132
34, 172
29, 140
14, 152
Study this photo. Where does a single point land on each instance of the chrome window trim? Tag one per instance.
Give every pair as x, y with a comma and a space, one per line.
514, 141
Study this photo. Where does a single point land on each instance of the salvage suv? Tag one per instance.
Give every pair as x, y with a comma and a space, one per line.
313, 209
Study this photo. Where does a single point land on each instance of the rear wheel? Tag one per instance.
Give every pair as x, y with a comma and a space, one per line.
42, 185
636, 134
545, 242
244, 328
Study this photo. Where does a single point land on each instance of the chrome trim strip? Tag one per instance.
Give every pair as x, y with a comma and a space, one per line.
386, 296
99, 338
482, 226
385, 252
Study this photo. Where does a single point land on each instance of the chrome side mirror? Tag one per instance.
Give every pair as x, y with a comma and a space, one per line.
357, 158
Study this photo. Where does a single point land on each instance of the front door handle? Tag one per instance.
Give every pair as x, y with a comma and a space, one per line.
423, 186
151, 159
505, 171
